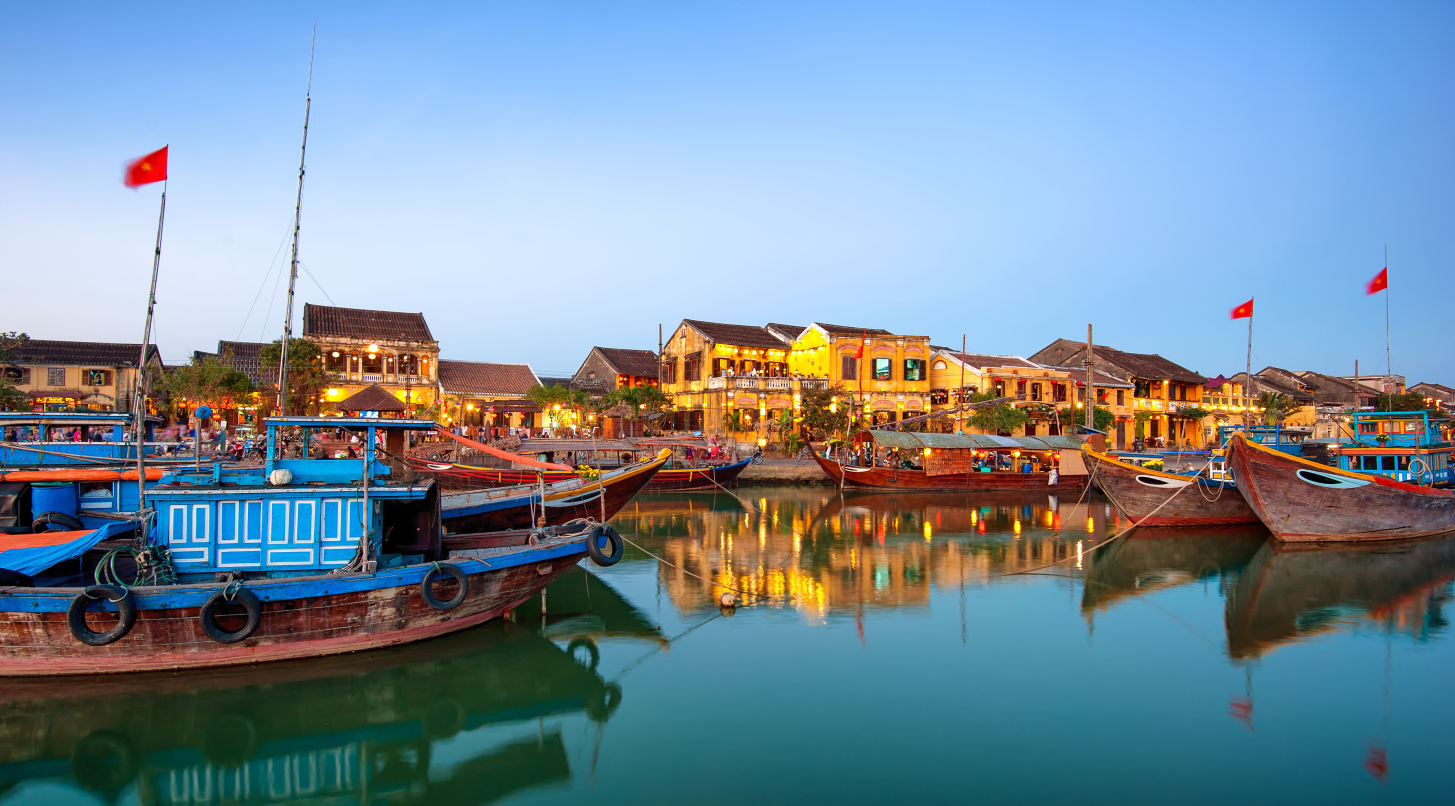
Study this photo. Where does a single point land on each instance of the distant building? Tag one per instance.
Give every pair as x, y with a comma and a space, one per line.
1043, 393
607, 369
361, 348
1160, 389
80, 375
1437, 396
488, 394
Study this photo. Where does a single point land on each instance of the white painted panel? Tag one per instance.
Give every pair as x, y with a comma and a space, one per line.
201, 523
177, 523
290, 556
305, 522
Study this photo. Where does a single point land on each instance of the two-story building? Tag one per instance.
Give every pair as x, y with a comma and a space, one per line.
1160, 389
80, 375
483, 393
711, 369
887, 376
361, 348
1043, 393
607, 369
1107, 390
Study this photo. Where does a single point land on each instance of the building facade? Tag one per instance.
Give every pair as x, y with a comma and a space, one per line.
482, 393
361, 348
80, 375
607, 369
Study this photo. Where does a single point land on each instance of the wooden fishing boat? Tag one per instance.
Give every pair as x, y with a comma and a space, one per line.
1290, 592
1299, 500
520, 507
323, 556
677, 476
1183, 500
961, 462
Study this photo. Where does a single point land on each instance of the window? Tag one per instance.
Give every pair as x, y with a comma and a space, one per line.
1386, 463
1143, 389
1058, 392
1369, 462
373, 363
1081, 393
97, 377
55, 376
17, 374
914, 369
424, 366
1031, 427
1121, 397
333, 360
724, 366
692, 368
1369, 428
389, 364
939, 365
408, 365
883, 369
1404, 463
999, 387
848, 368
668, 371
1020, 388
1036, 391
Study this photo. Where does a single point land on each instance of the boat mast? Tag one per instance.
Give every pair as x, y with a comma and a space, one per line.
139, 404
297, 223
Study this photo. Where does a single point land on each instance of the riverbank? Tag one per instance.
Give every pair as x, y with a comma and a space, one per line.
783, 471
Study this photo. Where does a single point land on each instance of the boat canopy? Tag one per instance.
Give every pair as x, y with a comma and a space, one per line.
912, 440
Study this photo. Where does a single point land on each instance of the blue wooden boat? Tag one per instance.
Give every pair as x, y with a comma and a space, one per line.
1402, 445
29, 439
296, 558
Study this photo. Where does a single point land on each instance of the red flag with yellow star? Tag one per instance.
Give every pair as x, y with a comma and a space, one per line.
1379, 283
1244, 311
148, 169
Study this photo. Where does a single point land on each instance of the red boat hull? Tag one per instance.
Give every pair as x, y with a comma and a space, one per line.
888, 478
1175, 500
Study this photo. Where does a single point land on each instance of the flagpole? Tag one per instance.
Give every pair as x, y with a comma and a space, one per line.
1248, 376
297, 224
139, 407
1388, 364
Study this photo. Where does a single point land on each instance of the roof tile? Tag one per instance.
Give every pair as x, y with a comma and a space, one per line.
357, 323
485, 378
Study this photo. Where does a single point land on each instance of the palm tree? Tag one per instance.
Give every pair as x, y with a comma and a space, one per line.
1275, 405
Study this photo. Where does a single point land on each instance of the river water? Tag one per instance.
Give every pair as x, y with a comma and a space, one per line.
890, 651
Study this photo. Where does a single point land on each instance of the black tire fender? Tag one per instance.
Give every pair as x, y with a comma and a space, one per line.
615, 546
208, 615
47, 519
426, 586
125, 608
593, 654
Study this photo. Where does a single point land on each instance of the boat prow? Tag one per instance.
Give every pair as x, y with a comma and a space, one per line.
1156, 498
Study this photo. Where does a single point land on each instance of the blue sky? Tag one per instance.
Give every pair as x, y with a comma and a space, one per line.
538, 178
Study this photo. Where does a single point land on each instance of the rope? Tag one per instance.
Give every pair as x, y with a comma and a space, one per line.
689, 573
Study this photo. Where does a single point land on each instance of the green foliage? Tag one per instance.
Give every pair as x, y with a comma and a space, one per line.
1275, 406
1410, 401
306, 375
1141, 418
815, 406
1191, 414
642, 401
211, 381
1001, 417
732, 422
11, 398
788, 435
1102, 419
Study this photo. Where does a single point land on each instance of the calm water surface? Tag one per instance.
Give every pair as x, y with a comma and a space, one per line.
889, 660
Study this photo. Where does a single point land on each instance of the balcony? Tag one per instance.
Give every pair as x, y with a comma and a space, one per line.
807, 384
786, 384
717, 383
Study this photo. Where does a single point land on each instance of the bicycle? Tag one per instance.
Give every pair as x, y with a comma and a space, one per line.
805, 454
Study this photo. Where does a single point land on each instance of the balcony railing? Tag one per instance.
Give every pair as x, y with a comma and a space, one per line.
717, 383
778, 383
813, 383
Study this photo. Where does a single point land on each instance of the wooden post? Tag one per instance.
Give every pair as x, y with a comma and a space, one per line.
1090, 388
960, 393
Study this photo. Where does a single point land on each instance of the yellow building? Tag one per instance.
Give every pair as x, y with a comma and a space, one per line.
888, 382
361, 348
1043, 393
80, 375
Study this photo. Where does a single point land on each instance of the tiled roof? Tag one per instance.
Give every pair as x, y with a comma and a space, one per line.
371, 398
485, 378
983, 360
630, 362
94, 353
1435, 387
1099, 378
566, 382
736, 335
789, 332
841, 330
247, 358
1148, 365
356, 323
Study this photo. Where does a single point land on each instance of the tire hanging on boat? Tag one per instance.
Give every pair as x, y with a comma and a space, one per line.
208, 615
60, 519
615, 546
426, 586
125, 609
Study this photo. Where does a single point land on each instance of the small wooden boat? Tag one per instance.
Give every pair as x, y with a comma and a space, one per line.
1291, 592
322, 556
962, 462
677, 476
520, 507
1194, 500
1300, 501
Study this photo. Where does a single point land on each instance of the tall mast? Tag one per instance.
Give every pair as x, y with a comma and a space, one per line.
297, 223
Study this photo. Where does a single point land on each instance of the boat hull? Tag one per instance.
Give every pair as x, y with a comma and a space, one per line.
888, 478
1139, 493
673, 479
302, 617
480, 512
1300, 501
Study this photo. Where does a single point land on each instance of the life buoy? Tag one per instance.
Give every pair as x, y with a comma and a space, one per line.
426, 586
250, 605
61, 519
593, 655
615, 546
125, 609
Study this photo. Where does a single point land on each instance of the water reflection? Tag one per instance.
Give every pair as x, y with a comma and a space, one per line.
1291, 593
353, 729
827, 552
1152, 560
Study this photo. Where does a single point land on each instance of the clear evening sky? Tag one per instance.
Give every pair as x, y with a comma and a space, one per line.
538, 178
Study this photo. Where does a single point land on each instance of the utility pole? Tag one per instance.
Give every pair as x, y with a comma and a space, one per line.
1090, 388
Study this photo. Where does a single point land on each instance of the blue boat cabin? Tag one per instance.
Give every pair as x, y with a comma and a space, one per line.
1401, 445
298, 516
43, 439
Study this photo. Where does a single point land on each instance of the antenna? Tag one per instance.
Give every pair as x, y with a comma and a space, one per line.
297, 224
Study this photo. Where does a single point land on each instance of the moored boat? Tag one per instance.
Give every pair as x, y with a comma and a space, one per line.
1300, 501
678, 475
322, 556
1156, 498
960, 462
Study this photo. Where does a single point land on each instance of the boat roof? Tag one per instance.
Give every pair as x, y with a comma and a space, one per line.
353, 422
915, 440
70, 418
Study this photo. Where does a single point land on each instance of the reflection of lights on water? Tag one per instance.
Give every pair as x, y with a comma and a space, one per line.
981, 528
1078, 555
927, 530
1090, 525
1017, 527
974, 516
1049, 518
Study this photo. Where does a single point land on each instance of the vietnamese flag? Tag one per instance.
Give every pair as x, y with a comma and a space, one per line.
148, 169
859, 353
1244, 311
1380, 282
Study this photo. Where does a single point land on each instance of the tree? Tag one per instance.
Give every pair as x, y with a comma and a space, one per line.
822, 413
11, 398
1102, 419
1275, 406
999, 418
1186, 417
788, 433
209, 380
306, 375
1410, 401
643, 401
733, 424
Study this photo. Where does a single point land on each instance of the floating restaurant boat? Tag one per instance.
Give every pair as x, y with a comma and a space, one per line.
322, 556
1156, 498
677, 476
521, 507
963, 462
1289, 592
1299, 500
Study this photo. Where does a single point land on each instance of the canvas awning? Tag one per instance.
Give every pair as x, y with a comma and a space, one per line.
911, 440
